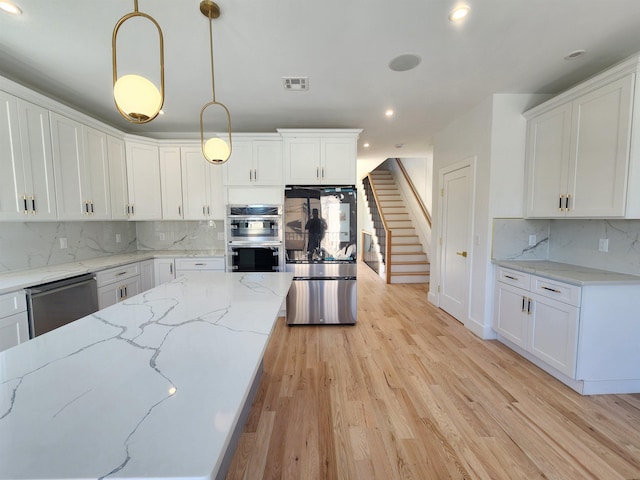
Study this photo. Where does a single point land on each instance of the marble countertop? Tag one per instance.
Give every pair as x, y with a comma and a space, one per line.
151, 387
12, 281
573, 274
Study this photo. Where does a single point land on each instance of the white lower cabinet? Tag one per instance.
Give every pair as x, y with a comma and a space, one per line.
212, 264
586, 336
119, 283
14, 321
164, 270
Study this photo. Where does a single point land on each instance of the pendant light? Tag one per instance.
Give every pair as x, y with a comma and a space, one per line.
214, 149
137, 99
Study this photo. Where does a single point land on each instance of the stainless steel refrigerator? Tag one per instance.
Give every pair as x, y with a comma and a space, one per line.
320, 251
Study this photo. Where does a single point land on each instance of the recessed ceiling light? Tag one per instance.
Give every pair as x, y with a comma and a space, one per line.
399, 145
459, 13
575, 54
405, 62
389, 113
365, 145
10, 8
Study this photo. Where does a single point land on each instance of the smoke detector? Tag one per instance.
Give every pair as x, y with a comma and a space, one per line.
296, 83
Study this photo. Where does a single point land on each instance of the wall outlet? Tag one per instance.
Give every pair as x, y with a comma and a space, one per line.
63, 243
118, 238
532, 240
603, 245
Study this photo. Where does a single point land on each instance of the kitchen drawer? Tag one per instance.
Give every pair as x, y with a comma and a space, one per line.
213, 263
106, 277
12, 303
513, 277
562, 292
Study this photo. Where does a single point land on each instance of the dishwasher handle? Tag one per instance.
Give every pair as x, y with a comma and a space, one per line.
60, 285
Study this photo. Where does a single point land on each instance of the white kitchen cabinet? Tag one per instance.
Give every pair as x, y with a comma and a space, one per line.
27, 189
117, 292
202, 192
320, 158
119, 283
118, 187
81, 170
147, 275
171, 183
190, 264
540, 316
14, 321
584, 336
143, 179
578, 153
164, 270
255, 162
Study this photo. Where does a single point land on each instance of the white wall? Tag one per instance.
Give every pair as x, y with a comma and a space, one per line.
492, 133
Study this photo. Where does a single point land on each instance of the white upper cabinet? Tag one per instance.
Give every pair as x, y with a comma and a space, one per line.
171, 183
118, 178
27, 190
579, 152
320, 157
202, 192
255, 162
81, 170
143, 178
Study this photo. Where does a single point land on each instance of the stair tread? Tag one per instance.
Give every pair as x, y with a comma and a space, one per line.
397, 274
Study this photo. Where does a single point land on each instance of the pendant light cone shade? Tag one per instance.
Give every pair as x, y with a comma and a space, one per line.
137, 98
214, 149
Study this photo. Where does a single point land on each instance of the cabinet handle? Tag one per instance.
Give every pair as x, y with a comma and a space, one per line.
322, 170
91, 203
179, 210
510, 277
126, 294
566, 202
255, 175
528, 306
133, 211
33, 204
560, 203
523, 300
120, 273
24, 201
171, 268
204, 211
86, 207
462, 254
318, 172
551, 290
128, 209
208, 210
200, 264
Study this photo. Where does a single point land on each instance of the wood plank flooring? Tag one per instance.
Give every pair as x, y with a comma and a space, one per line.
409, 393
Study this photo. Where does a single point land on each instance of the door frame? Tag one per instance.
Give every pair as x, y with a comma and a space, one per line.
471, 163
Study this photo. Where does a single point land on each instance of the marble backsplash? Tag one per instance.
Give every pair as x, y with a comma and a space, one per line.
38, 244
570, 241
167, 235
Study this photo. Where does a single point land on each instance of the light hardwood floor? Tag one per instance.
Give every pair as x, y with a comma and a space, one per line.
409, 393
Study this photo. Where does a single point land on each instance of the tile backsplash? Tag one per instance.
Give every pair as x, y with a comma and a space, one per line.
570, 241
38, 244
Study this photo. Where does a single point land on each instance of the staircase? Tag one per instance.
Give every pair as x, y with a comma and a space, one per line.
408, 262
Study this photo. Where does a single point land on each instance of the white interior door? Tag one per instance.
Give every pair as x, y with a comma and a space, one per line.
456, 190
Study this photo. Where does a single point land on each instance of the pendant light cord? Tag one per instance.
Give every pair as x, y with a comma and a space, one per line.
213, 78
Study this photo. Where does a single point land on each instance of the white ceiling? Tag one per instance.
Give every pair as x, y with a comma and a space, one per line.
63, 49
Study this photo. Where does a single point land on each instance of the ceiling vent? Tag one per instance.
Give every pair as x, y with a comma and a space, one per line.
296, 83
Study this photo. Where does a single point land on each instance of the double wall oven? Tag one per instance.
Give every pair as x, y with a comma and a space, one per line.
254, 238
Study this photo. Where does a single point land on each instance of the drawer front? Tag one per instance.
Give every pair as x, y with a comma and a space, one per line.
107, 277
562, 292
12, 303
200, 264
513, 277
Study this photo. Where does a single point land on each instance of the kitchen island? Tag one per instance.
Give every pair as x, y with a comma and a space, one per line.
152, 387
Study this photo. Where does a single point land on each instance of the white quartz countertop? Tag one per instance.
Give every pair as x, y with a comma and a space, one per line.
572, 274
151, 387
12, 281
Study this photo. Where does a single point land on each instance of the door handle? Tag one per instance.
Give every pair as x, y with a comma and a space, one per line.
462, 254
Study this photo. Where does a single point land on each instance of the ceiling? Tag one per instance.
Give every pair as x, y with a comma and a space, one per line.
63, 48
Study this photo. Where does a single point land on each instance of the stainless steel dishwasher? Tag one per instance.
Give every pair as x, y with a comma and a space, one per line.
52, 305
